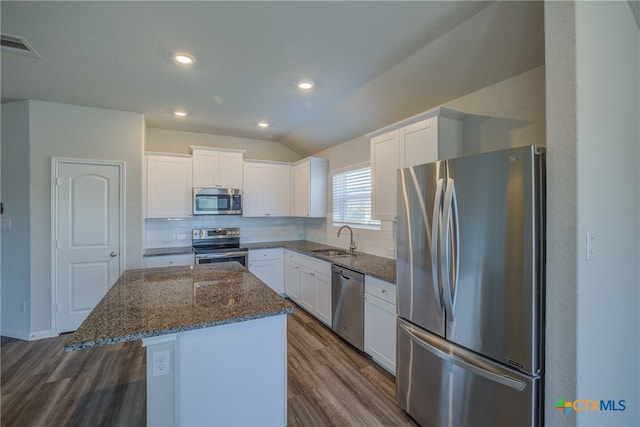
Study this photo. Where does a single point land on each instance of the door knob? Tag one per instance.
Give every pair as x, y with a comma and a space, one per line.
113, 254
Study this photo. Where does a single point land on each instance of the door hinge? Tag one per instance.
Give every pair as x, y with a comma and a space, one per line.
57, 244
58, 181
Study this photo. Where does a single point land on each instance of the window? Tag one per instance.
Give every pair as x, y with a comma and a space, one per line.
352, 198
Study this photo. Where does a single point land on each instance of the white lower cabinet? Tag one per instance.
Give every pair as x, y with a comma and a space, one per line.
380, 322
268, 266
323, 301
292, 286
308, 283
168, 260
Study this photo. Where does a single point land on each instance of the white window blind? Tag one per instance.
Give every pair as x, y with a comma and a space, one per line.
352, 197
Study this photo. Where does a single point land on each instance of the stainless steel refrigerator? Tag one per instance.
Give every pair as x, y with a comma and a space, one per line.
470, 286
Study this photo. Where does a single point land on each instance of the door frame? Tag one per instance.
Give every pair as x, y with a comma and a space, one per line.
55, 164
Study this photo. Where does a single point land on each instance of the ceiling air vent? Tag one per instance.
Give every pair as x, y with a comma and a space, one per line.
16, 44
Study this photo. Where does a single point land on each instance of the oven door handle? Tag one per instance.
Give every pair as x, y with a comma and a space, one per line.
224, 255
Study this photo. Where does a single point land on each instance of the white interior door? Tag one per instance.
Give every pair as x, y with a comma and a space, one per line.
88, 234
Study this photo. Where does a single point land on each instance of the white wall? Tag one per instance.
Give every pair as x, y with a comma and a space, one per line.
608, 110
59, 130
173, 141
15, 241
593, 105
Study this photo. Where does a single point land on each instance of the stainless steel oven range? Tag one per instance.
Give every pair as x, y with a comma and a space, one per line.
212, 245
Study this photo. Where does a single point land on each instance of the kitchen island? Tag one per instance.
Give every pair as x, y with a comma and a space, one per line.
216, 342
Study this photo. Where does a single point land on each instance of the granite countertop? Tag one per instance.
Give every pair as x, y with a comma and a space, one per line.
158, 301
372, 265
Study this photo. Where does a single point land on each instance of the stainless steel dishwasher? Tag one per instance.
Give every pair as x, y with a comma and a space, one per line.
347, 298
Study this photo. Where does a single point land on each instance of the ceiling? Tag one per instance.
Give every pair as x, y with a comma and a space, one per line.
373, 63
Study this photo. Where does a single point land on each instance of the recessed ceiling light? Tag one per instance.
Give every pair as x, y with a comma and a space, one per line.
184, 59
179, 113
305, 85
263, 124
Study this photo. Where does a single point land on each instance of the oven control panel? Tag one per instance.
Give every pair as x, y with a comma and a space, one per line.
215, 233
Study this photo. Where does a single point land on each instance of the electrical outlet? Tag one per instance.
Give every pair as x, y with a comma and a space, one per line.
161, 363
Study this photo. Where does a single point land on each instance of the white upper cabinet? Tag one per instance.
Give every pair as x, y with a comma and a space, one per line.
216, 167
384, 163
425, 138
266, 189
168, 186
309, 187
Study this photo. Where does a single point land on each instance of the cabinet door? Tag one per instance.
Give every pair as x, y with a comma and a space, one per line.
323, 298
292, 281
270, 271
301, 182
168, 186
308, 289
168, 260
279, 184
380, 331
230, 170
419, 143
254, 196
384, 165
205, 168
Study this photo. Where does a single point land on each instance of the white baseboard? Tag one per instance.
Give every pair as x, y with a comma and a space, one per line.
39, 335
26, 336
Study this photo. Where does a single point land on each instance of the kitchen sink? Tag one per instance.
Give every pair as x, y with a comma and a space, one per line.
331, 252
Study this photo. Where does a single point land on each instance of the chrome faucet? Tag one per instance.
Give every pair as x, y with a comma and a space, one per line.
352, 246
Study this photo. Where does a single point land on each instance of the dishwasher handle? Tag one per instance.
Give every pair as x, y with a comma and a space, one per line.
346, 274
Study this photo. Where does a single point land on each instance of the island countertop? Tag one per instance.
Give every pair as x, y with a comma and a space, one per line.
158, 301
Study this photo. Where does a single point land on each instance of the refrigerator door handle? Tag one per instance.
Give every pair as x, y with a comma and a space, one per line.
422, 340
449, 275
435, 231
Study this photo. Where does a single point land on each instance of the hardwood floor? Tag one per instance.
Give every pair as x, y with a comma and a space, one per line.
329, 383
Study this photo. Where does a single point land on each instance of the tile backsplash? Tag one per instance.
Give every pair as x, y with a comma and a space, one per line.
164, 233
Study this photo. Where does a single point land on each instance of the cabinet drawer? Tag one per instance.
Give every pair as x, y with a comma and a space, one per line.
293, 257
168, 260
317, 265
381, 289
264, 254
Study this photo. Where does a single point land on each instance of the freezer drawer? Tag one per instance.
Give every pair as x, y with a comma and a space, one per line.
441, 384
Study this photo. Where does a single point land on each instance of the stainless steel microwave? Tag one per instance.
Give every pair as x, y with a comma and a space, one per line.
217, 201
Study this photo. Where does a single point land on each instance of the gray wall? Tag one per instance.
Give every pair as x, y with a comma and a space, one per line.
507, 114
58, 130
174, 141
16, 272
